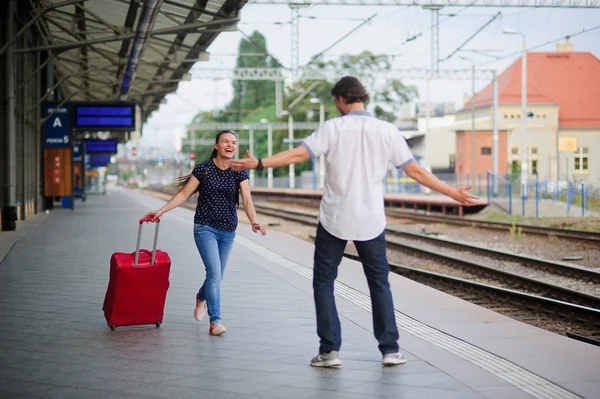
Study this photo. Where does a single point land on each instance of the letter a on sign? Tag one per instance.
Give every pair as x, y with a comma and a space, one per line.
57, 122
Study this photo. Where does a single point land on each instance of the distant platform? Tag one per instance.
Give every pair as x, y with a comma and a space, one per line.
429, 203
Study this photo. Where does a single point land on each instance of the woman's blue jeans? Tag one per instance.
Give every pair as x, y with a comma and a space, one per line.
214, 246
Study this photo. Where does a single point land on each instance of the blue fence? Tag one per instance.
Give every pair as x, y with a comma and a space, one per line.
502, 191
400, 183
499, 191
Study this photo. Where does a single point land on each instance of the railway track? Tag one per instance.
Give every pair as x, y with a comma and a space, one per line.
558, 268
574, 234
584, 321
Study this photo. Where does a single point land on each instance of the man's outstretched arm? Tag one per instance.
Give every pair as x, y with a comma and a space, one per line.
283, 158
426, 178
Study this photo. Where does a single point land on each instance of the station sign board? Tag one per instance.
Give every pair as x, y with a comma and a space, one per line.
57, 129
99, 116
101, 146
567, 143
99, 160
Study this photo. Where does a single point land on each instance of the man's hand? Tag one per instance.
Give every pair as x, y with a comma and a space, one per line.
250, 162
462, 195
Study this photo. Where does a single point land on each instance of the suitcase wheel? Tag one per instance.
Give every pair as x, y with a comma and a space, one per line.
113, 327
158, 323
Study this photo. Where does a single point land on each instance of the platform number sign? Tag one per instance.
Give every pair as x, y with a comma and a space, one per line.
57, 127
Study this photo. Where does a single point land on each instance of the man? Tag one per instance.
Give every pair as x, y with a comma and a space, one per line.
357, 149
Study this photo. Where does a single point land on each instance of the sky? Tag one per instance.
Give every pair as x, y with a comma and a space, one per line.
386, 33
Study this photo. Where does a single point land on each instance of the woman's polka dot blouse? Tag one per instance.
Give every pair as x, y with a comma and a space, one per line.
217, 207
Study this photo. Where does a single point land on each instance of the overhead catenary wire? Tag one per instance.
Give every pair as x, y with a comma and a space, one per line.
339, 40
498, 14
542, 45
260, 47
450, 16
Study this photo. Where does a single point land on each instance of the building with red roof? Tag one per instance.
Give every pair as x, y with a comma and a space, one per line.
563, 127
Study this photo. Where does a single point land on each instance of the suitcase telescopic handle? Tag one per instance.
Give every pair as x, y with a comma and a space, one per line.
139, 240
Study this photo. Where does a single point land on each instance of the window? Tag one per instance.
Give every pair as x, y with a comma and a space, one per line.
514, 151
515, 168
534, 150
486, 150
452, 161
581, 159
534, 166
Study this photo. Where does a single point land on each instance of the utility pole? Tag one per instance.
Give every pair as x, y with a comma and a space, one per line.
473, 135
524, 168
269, 154
292, 171
251, 139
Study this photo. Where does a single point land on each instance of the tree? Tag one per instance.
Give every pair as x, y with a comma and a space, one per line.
387, 95
250, 95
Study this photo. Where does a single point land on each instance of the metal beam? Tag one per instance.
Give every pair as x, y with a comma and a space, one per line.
83, 51
34, 74
201, 44
203, 142
45, 9
301, 96
252, 125
440, 3
63, 79
196, 9
167, 31
68, 31
274, 74
97, 18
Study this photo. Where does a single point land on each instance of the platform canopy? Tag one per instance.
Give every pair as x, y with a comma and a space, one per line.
133, 50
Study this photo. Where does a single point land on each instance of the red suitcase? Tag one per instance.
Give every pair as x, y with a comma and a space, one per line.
138, 286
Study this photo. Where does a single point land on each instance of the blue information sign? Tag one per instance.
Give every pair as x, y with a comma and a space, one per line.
56, 127
101, 146
98, 116
99, 160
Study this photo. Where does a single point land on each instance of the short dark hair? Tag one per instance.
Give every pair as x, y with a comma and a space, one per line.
350, 89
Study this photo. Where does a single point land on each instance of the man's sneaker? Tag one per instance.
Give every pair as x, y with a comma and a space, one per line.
331, 359
217, 329
393, 359
200, 310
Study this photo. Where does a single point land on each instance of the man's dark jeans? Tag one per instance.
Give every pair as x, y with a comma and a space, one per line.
328, 255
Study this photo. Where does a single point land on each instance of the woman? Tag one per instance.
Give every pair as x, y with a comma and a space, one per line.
215, 220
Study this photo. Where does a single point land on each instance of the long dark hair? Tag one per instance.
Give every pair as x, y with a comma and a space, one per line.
181, 181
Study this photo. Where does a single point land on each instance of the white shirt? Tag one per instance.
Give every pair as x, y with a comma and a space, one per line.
357, 149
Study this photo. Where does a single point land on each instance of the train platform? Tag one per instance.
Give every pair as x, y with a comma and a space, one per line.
436, 203
56, 344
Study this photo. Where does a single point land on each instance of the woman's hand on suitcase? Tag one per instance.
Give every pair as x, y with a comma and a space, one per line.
154, 215
258, 228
